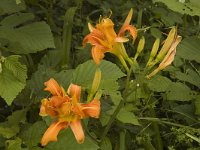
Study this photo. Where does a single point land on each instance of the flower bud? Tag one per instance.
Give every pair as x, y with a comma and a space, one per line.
140, 47
168, 42
154, 51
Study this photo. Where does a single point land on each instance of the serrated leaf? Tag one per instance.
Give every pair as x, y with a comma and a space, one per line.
189, 49
10, 6
158, 83
191, 7
28, 39
32, 136
12, 78
66, 140
127, 117
16, 19
14, 144
180, 92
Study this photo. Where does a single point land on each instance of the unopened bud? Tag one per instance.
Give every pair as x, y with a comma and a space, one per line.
168, 42
154, 51
95, 84
140, 47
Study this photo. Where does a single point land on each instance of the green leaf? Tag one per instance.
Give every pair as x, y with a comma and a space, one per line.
14, 144
189, 49
127, 117
191, 7
9, 132
159, 83
28, 39
16, 19
197, 105
18, 2
67, 33
106, 144
180, 92
84, 73
66, 140
190, 76
32, 136
17, 117
12, 78
47, 69
10, 6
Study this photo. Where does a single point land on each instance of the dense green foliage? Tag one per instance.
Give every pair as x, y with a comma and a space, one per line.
42, 39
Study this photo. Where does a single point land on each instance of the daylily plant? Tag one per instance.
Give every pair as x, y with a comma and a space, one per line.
103, 38
167, 52
67, 109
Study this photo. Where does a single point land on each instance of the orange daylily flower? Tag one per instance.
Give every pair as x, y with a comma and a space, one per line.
67, 110
104, 39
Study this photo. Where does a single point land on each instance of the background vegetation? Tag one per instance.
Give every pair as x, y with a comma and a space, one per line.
40, 39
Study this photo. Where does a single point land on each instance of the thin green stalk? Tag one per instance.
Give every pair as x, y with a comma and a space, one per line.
159, 142
118, 107
162, 121
122, 140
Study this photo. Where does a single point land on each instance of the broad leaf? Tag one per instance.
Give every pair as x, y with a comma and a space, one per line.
10, 6
84, 74
190, 76
180, 92
127, 117
32, 136
28, 39
158, 83
12, 78
8, 132
189, 49
14, 144
191, 7
66, 140
16, 19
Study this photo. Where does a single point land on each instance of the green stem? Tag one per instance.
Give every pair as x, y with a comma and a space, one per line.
122, 140
161, 121
157, 130
123, 63
118, 107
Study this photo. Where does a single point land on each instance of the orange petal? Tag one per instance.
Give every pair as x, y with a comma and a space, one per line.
90, 27
92, 109
57, 101
121, 39
75, 91
131, 29
43, 107
97, 54
128, 18
93, 37
53, 87
78, 131
52, 132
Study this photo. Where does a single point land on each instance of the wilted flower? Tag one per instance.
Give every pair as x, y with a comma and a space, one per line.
67, 110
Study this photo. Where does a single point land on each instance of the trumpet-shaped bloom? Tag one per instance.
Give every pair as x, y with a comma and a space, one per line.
67, 110
103, 38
